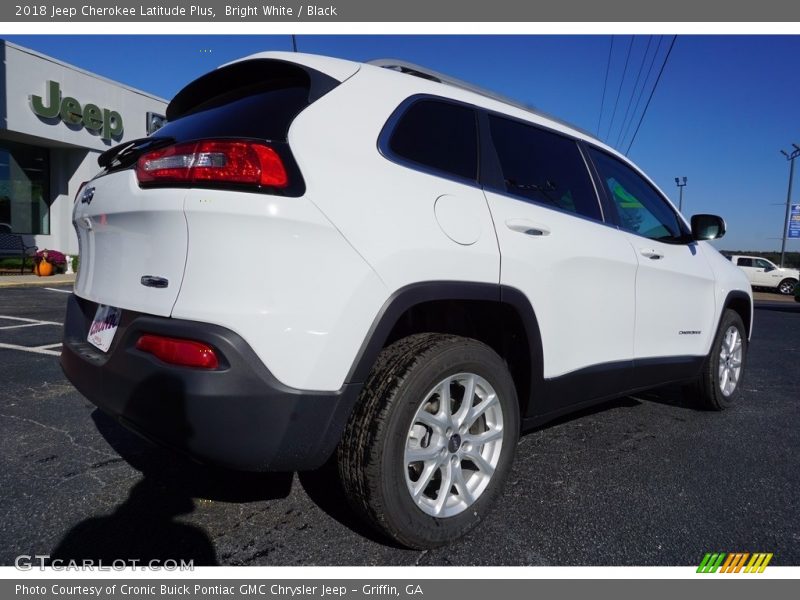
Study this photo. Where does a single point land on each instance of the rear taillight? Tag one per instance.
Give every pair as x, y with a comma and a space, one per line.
176, 351
214, 161
80, 189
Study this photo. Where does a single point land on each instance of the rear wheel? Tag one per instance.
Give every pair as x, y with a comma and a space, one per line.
786, 287
430, 444
720, 381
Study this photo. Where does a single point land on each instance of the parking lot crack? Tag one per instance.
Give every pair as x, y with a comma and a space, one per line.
87, 472
63, 432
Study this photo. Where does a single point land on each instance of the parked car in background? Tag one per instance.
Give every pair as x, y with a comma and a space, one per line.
764, 273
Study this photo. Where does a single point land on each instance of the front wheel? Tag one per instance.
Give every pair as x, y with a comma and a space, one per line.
431, 442
786, 287
720, 381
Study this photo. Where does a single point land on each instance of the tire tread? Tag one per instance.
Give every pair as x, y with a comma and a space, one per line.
704, 390
371, 434
356, 462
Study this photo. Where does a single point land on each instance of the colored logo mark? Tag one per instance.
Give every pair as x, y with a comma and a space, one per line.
734, 562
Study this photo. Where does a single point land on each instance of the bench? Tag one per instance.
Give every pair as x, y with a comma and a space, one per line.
12, 244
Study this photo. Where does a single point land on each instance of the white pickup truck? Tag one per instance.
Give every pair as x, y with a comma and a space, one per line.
766, 274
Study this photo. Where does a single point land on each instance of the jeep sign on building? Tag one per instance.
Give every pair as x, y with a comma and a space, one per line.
55, 120
106, 122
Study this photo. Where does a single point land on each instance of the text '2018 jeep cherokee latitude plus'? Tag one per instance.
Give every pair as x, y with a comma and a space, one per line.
319, 258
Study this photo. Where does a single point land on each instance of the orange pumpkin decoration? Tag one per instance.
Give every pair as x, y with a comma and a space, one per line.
43, 268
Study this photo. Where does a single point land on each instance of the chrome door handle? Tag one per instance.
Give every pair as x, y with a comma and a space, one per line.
527, 227
651, 253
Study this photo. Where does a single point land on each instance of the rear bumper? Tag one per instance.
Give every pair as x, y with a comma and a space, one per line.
237, 416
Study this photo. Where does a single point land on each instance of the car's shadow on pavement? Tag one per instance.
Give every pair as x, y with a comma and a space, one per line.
144, 527
670, 395
622, 402
324, 488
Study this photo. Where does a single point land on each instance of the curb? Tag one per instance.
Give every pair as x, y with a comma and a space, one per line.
37, 282
761, 298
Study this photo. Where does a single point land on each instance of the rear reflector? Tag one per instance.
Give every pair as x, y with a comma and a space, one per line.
214, 161
174, 351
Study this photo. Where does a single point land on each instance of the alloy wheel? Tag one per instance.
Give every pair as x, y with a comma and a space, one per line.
730, 361
453, 445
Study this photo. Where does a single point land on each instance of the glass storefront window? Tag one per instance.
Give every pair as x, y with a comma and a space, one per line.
24, 188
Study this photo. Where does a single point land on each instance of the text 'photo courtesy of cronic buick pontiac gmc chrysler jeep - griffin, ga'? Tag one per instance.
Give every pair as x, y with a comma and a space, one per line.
438, 270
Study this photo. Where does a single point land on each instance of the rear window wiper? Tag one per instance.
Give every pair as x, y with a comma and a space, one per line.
125, 153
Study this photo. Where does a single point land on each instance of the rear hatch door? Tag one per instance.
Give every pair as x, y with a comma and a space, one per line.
134, 235
133, 243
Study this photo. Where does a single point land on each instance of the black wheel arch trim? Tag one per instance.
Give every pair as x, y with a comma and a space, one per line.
739, 295
418, 293
547, 397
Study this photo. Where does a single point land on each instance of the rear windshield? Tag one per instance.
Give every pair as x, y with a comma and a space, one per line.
265, 115
256, 98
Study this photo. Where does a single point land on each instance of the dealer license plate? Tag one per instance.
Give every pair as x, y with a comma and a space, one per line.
104, 327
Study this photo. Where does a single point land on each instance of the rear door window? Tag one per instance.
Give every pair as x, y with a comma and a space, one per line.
438, 135
543, 167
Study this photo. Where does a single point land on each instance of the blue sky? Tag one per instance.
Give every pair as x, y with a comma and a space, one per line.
723, 109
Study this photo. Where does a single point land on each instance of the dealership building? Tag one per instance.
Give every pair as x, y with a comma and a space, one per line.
55, 120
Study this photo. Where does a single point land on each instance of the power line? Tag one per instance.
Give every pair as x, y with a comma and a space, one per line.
643, 88
621, 82
653, 91
633, 90
605, 85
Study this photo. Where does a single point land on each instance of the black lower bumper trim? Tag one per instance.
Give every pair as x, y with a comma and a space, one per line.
238, 416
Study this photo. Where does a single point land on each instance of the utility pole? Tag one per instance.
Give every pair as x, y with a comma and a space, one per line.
680, 185
790, 157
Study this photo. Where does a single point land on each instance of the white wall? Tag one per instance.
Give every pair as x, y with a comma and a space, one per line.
27, 74
73, 149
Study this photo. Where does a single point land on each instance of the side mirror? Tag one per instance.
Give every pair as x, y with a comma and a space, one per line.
707, 227
769, 269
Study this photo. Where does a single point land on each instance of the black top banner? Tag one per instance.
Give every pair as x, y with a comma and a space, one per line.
417, 11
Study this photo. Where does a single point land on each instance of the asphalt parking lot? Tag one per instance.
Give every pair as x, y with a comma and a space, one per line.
643, 480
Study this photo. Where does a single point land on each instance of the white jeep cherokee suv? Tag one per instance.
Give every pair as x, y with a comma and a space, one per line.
317, 258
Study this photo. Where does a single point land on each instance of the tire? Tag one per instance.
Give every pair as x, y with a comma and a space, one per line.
394, 422
786, 287
720, 382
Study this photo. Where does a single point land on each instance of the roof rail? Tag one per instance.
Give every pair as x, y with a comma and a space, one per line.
408, 68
